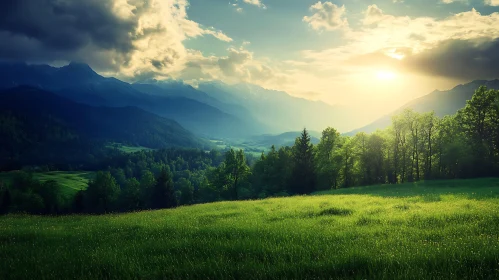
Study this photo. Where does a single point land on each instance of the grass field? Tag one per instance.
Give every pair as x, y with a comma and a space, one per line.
431, 230
128, 149
238, 144
70, 181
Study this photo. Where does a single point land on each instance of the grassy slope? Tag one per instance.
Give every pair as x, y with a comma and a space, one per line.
128, 149
446, 230
70, 181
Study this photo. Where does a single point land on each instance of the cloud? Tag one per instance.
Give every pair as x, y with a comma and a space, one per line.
492, 2
459, 59
373, 14
239, 65
256, 3
131, 37
453, 1
232, 64
327, 16
238, 8
400, 37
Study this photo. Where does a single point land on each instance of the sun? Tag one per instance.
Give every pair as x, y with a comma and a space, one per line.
386, 75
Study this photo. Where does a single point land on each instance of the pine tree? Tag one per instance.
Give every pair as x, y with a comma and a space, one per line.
163, 192
5, 199
102, 193
303, 179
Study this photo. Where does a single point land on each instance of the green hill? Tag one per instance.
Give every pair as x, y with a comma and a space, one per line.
50, 129
431, 230
70, 181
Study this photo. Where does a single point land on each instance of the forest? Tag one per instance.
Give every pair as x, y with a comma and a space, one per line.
417, 146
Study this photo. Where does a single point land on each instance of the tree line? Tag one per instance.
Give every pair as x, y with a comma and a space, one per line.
417, 146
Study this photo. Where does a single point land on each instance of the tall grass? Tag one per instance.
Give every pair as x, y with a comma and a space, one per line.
432, 230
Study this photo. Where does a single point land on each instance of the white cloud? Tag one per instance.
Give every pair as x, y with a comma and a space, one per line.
236, 7
453, 1
386, 42
126, 37
256, 3
162, 26
327, 16
373, 14
492, 2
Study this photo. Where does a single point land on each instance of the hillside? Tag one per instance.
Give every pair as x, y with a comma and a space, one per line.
177, 89
81, 84
32, 120
70, 181
443, 103
281, 111
432, 230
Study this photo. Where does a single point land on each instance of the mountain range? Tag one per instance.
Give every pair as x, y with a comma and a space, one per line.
281, 111
214, 109
78, 82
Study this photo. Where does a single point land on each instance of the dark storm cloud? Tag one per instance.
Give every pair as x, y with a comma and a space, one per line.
59, 29
461, 59
455, 59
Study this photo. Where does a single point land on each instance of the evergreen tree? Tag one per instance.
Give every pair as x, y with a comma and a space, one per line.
51, 192
5, 199
303, 177
147, 183
102, 193
186, 191
79, 202
131, 197
163, 192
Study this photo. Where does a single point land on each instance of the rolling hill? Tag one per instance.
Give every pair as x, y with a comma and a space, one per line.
443, 103
33, 121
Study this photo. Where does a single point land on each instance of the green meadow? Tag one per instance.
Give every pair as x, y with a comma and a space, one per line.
128, 149
70, 181
425, 230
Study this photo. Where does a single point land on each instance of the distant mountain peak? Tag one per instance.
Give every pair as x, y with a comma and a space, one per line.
80, 69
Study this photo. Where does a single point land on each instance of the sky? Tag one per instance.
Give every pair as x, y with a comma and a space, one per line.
371, 56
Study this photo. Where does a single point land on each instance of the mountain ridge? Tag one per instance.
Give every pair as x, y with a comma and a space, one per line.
119, 124
442, 102
81, 84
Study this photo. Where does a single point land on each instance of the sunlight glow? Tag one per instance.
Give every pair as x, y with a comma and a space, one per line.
397, 56
386, 75
395, 53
